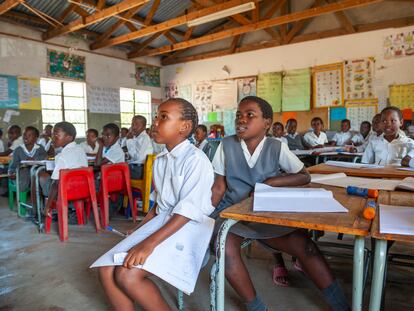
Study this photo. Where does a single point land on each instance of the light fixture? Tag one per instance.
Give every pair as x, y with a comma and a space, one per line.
222, 14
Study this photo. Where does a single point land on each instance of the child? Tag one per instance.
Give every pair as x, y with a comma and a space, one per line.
139, 146
109, 151
242, 160
156, 147
46, 138
316, 138
362, 137
1, 141
377, 126
278, 132
344, 136
122, 139
391, 147
15, 140
91, 145
201, 141
29, 150
71, 156
184, 168
294, 140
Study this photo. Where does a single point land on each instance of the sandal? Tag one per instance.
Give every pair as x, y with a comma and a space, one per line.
279, 272
298, 267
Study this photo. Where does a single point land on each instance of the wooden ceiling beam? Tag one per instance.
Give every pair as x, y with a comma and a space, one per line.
69, 9
93, 18
151, 13
343, 19
8, 5
178, 21
293, 17
101, 4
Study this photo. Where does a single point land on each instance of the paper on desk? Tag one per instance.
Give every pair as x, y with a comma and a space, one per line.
410, 169
352, 165
396, 219
177, 260
301, 200
50, 164
302, 152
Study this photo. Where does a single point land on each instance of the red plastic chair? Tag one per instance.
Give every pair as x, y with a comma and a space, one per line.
75, 185
114, 180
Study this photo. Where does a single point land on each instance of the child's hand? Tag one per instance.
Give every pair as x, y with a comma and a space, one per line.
138, 254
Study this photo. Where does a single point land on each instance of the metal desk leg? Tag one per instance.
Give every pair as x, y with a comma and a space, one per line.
38, 198
18, 191
358, 277
378, 273
220, 258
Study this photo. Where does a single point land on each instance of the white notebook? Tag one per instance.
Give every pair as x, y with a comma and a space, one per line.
396, 219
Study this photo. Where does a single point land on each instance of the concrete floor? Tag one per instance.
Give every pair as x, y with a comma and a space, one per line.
38, 272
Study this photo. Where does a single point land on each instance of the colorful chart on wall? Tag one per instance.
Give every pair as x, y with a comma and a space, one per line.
147, 75
246, 87
224, 94
296, 90
402, 95
336, 115
65, 65
9, 96
29, 93
359, 74
399, 45
359, 111
269, 87
328, 86
202, 98
103, 99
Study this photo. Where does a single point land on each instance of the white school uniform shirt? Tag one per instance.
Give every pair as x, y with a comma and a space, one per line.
16, 143
342, 138
359, 139
71, 156
380, 151
157, 147
46, 145
114, 153
312, 140
88, 149
139, 147
122, 141
202, 145
31, 153
282, 139
288, 162
183, 178
1, 146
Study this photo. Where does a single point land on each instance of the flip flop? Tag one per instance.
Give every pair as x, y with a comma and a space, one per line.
298, 267
280, 272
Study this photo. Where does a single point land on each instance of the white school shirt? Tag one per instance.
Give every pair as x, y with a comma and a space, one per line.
139, 147
88, 149
183, 179
46, 145
114, 153
71, 156
1, 146
288, 162
157, 147
16, 143
202, 145
359, 139
281, 139
312, 140
342, 138
122, 141
380, 151
30, 154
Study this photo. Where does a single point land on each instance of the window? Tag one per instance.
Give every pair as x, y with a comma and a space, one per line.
64, 101
135, 102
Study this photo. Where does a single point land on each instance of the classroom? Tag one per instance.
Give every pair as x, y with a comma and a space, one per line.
206, 155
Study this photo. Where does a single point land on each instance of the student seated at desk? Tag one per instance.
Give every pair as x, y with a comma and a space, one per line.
45, 139
91, 145
29, 150
344, 136
362, 137
187, 170
316, 138
278, 132
294, 140
240, 162
15, 140
122, 140
109, 150
139, 146
72, 156
390, 147
202, 143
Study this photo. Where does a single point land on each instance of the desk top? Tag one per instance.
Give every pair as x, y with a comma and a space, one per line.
5, 160
386, 172
349, 223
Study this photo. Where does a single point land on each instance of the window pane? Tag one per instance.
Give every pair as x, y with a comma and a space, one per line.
142, 108
126, 94
73, 89
51, 116
51, 101
142, 96
74, 103
50, 87
126, 119
80, 129
127, 106
75, 116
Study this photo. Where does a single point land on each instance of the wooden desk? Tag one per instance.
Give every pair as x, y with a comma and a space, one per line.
386, 172
5, 160
380, 256
349, 223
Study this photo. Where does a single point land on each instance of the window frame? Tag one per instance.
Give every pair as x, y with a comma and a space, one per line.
135, 102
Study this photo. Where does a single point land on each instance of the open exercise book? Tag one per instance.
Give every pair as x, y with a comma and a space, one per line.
396, 219
50, 164
341, 180
177, 260
301, 200
352, 165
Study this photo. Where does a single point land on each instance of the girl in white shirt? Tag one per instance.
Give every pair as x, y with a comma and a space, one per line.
278, 132
91, 145
316, 138
183, 177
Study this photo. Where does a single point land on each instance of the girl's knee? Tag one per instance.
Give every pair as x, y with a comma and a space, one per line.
106, 273
125, 277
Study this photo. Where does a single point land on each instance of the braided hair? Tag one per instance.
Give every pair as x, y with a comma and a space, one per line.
264, 106
188, 112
